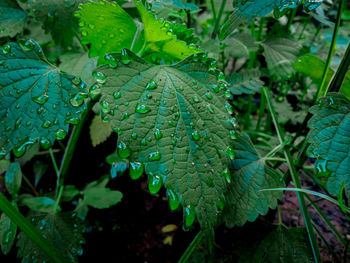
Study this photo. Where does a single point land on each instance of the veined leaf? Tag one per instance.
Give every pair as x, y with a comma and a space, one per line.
174, 4
57, 17
280, 55
107, 27
99, 131
329, 139
12, 18
41, 203
313, 67
101, 197
240, 45
36, 99
246, 81
63, 231
250, 174
13, 179
175, 121
8, 231
161, 43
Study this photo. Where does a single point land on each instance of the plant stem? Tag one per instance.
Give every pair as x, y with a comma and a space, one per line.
35, 192
322, 90
31, 232
295, 178
291, 18
218, 19
213, 9
194, 244
58, 200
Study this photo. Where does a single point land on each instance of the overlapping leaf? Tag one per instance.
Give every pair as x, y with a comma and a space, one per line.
12, 18
246, 81
329, 137
244, 198
36, 99
99, 131
174, 120
8, 231
240, 45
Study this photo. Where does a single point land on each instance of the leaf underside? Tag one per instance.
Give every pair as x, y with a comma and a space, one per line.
246, 81
12, 18
174, 120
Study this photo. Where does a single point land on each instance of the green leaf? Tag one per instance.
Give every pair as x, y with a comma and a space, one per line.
69, 192
280, 55
161, 44
4, 165
313, 67
8, 230
174, 120
107, 27
63, 231
37, 100
101, 197
99, 131
329, 139
41, 204
240, 45
250, 174
12, 18
57, 17
246, 81
80, 65
118, 165
174, 4
13, 179
284, 245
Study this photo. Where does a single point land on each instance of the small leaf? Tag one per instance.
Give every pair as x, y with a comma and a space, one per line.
99, 131
69, 192
12, 18
169, 228
240, 45
250, 174
246, 81
41, 204
38, 102
329, 139
13, 179
101, 197
8, 232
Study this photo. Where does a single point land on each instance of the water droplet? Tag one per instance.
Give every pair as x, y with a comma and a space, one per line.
46, 124
229, 108
111, 61
125, 116
94, 91
141, 108
151, 85
227, 175
45, 143
210, 108
105, 107
6, 49
77, 99
73, 120
230, 152
117, 95
41, 99
60, 134
134, 136
213, 64
154, 156
221, 204
100, 77
26, 45
136, 170
195, 135
18, 122
190, 215
174, 200
195, 99
158, 134
125, 58
123, 150
154, 183
209, 95
233, 135
143, 142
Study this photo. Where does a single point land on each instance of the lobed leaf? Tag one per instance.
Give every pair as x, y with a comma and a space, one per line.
36, 99
174, 121
12, 18
246, 81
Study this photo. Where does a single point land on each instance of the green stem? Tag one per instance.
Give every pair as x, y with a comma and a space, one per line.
194, 244
28, 229
274, 159
295, 178
322, 90
291, 18
218, 19
56, 169
58, 200
213, 9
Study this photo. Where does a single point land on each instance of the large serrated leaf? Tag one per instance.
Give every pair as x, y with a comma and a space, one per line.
57, 17
175, 120
250, 174
63, 231
36, 99
12, 18
280, 55
246, 81
107, 27
329, 137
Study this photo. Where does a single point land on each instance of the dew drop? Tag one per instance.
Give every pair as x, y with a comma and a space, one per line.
116, 95
151, 85
45, 143
154, 156
123, 150
105, 107
190, 215
136, 170
230, 152
41, 99
77, 99
46, 124
158, 134
26, 45
174, 200
125, 58
6, 49
195, 99
99, 76
94, 91
60, 134
226, 174
154, 183
141, 108
195, 135
111, 61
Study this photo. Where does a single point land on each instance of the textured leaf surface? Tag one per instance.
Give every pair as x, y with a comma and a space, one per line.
8, 232
247, 81
329, 139
99, 131
284, 245
13, 179
40, 203
107, 27
35, 99
280, 55
12, 18
240, 45
63, 231
250, 174
57, 17
174, 120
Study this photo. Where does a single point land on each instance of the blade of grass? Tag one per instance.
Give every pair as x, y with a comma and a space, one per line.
218, 19
194, 244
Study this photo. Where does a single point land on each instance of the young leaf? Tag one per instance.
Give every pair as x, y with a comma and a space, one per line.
101, 197
329, 139
12, 18
37, 101
63, 231
250, 174
175, 120
8, 231
284, 245
280, 54
246, 81
13, 179
41, 203
107, 27
99, 131
57, 18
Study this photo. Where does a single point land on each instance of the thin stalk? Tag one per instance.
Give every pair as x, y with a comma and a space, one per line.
56, 169
291, 18
58, 200
35, 192
31, 232
322, 90
295, 178
218, 19
194, 244
274, 159
213, 9
261, 112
